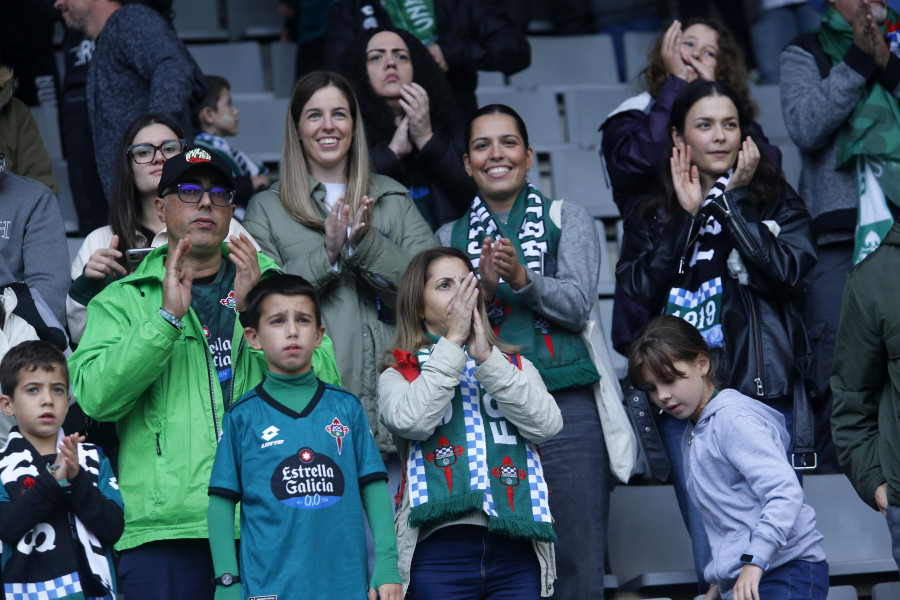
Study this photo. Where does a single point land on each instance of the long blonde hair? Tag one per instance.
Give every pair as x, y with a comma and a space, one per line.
411, 335
296, 197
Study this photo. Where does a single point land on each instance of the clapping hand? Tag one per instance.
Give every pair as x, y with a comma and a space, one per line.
246, 261
748, 160
362, 220
177, 281
686, 179
67, 459
460, 310
336, 229
414, 101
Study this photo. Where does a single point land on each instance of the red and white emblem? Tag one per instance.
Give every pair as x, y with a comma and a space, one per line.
337, 430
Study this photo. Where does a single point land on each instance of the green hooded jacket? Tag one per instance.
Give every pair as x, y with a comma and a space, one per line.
159, 385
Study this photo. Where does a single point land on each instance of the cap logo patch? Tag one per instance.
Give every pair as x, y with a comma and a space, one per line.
197, 155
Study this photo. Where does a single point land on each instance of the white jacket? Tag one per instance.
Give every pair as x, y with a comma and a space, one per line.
413, 410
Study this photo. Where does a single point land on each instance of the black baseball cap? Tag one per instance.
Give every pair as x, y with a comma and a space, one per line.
193, 157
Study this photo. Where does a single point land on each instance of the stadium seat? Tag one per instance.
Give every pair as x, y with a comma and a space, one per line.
637, 46
769, 114
491, 79
253, 19
587, 108
886, 591
856, 537
284, 55
573, 59
648, 543
539, 109
842, 592
261, 133
66, 200
578, 175
238, 62
48, 123
198, 20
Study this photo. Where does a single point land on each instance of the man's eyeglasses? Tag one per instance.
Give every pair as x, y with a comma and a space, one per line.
145, 153
191, 193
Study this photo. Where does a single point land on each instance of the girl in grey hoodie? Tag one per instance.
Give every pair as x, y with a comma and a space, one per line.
762, 533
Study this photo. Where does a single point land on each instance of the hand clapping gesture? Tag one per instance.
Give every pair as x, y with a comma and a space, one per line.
67, 459
867, 36
246, 261
460, 310
748, 160
177, 281
499, 260
686, 179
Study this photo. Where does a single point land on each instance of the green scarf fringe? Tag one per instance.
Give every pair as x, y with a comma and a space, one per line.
524, 530
441, 511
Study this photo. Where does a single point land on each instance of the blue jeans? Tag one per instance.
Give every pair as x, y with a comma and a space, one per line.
796, 580
466, 562
167, 570
893, 521
576, 467
671, 430
774, 29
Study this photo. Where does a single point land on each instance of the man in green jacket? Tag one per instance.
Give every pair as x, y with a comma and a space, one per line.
163, 356
865, 380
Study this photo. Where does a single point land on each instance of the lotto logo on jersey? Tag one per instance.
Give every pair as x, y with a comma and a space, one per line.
308, 480
268, 435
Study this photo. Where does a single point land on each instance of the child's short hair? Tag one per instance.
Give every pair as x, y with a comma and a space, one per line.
30, 355
216, 84
284, 284
662, 341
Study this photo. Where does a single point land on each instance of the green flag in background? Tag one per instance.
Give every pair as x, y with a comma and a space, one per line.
414, 16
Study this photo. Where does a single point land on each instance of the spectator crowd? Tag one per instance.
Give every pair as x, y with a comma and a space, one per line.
370, 367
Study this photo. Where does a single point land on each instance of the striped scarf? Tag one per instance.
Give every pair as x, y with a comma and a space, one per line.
476, 460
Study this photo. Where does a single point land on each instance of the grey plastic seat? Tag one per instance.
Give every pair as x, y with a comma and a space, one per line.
47, 121
886, 591
261, 131
842, 592
637, 45
538, 107
198, 20
571, 59
587, 109
238, 62
578, 176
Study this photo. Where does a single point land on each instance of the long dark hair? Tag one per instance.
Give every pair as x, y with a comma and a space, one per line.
767, 185
125, 208
730, 68
377, 115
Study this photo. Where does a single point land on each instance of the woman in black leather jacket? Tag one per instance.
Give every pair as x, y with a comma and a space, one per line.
722, 251
721, 244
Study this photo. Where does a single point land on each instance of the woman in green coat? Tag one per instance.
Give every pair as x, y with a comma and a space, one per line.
348, 232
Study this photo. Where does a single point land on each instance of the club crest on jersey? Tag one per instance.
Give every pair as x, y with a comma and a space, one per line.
229, 301
337, 430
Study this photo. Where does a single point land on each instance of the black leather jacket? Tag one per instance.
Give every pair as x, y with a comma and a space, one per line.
761, 336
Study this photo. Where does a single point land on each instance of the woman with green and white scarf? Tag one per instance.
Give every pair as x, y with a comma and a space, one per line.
466, 412
538, 261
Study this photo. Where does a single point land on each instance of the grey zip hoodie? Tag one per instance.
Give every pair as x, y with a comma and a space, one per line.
748, 495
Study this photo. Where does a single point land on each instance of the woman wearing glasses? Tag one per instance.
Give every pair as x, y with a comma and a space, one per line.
148, 142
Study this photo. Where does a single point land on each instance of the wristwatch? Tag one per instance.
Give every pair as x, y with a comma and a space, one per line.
227, 579
749, 559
